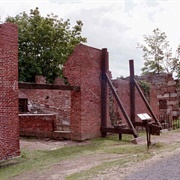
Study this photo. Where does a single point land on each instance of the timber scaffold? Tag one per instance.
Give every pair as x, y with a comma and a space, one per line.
123, 129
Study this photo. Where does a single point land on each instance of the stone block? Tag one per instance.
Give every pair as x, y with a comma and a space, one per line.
175, 113
58, 81
172, 103
159, 96
164, 131
173, 94
40, 79
138, 140
171, 83
166, 95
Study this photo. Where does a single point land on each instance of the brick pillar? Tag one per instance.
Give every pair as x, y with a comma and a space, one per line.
9, 122
75, 118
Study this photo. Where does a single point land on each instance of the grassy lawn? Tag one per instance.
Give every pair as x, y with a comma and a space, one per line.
39, 160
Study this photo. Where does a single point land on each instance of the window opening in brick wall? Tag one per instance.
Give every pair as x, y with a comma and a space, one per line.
23, 102
162, 104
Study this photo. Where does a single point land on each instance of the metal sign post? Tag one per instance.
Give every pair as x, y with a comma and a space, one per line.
145, 119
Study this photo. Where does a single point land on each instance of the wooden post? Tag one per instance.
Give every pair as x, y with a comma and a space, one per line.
132, 91
104, 69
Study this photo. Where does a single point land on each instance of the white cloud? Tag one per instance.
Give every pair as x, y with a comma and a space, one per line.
117, 24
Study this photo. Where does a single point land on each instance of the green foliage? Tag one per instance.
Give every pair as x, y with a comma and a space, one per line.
176, 123
177, 67
157, 53
44, 44
146, 88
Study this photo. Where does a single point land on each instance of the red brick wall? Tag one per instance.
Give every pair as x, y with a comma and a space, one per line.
9, 123
154, 101
166, 88
83, 69
37, 125
123, 91
49, 101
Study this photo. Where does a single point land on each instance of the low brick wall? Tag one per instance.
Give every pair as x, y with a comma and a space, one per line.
37, 125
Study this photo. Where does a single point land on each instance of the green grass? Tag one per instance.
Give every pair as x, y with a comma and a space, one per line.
131, 154
32, 161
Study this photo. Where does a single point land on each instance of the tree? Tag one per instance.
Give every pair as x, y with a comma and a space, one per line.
157, 53
44, 44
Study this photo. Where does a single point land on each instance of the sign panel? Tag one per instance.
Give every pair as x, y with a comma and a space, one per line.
144, 116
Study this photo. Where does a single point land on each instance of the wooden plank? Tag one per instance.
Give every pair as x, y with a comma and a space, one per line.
48, 86
137, 123
118, 131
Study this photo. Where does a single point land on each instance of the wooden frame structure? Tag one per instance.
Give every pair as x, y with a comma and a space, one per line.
134, 84
105, 80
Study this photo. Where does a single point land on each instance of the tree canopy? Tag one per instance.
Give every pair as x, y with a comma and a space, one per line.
157, 53
44, 44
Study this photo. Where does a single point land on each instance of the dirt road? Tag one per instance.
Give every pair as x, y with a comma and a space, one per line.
67, 167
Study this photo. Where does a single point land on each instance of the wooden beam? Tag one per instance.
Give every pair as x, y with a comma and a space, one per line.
48, 86
118, 131
132, 91
137, 123
104, 69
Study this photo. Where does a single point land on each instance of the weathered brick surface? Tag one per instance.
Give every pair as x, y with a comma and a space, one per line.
37, 125
154, 101
166, 88
49, 101
83, 69
9, 122
40, 79
123, 90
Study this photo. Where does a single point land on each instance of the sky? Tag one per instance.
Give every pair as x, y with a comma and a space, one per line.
117, 25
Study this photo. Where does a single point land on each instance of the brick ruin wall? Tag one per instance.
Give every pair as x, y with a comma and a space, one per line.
48, 109
46, 101
123, 90
83, 69
82, 110
37, 125
167, 93
9, 122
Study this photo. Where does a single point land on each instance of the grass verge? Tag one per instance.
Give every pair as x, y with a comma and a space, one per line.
34, 161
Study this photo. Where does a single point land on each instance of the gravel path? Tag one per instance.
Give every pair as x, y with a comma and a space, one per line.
165, 169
